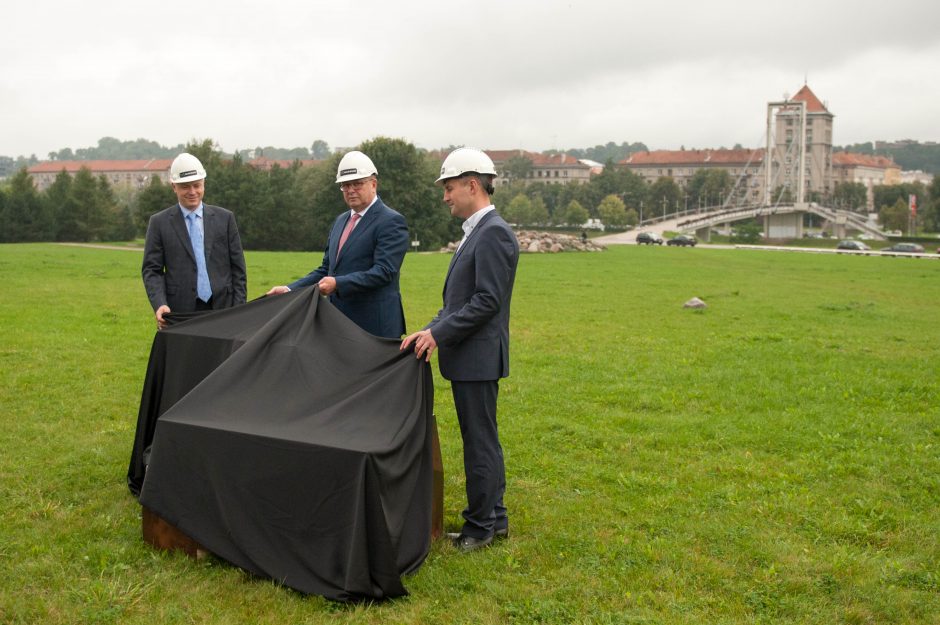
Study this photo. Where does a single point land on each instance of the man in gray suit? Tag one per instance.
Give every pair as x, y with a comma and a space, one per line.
472, 331
193, 257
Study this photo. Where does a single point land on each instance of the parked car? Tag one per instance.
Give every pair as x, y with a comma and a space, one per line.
905, 248
649, 238
849, 244
682, 240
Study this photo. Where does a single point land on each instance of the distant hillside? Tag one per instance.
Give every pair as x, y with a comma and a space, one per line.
278, 154
603, 153
111, 149
910, 155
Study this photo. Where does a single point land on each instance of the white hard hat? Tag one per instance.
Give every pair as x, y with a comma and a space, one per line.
186, 168
466, 160
355, 165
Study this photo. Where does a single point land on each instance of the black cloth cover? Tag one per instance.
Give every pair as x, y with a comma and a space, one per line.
291, 443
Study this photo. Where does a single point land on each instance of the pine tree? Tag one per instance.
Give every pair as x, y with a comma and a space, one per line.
24, 216
153, 198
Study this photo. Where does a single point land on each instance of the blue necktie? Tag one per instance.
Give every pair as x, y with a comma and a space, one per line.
203, 290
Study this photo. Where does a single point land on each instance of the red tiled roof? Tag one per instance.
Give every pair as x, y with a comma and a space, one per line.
538, 160
852, 159
501, 156
98, 167
813, 105
562, 159
695, 157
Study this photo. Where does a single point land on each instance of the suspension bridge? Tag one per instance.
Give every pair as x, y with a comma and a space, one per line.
785, 165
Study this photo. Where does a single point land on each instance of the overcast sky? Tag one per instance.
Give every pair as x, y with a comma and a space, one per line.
498, 75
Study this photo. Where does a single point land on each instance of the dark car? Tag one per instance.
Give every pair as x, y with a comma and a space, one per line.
682, 240
849, 244
649, 238
905, 248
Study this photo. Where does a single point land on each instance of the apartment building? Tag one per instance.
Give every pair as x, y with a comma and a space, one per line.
546, 168
135, 173
743, 165
865, 169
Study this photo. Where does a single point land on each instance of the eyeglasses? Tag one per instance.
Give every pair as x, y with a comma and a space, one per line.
354, 184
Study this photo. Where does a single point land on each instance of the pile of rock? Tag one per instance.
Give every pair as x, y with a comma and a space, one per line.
546, 242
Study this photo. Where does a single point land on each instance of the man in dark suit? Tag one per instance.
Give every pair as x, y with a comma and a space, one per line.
472, 331
193, 257
364, 253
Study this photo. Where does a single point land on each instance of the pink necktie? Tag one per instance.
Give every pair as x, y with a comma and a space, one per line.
349, 227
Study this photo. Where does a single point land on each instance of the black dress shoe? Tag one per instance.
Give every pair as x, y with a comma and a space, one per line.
466, 544
498, 534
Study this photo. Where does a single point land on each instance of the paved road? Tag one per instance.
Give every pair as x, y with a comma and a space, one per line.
629, 237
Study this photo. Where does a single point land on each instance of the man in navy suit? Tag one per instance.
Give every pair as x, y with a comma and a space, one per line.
193, 257
364, 253
472, 332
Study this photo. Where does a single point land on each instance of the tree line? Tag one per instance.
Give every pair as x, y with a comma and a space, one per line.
620, 198
909, 155
603, 153
893, 205
111, 149
289, 208
292, 208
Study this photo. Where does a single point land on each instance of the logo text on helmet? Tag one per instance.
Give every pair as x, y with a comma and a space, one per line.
183, 174
346, 172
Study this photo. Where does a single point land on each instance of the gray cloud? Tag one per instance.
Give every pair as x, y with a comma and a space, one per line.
495, 74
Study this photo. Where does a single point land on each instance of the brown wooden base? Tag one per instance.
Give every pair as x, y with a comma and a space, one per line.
162, 535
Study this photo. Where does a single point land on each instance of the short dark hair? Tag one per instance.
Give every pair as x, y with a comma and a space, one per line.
484, 180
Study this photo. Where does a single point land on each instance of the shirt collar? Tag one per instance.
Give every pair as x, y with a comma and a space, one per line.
363, 212
471, 222
186, 211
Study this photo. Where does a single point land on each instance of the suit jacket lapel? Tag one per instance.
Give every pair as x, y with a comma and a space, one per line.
178, 223
338, 226
208, 228
371, 215
466, 244
366, 220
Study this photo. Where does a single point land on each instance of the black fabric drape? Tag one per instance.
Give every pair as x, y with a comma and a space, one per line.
291, 443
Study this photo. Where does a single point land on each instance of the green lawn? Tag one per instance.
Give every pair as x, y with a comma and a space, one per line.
774, 458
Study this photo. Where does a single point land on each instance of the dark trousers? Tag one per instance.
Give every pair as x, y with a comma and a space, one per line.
482, 457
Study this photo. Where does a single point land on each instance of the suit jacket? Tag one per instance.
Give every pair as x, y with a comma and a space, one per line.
169, 267
472, 329
367, 270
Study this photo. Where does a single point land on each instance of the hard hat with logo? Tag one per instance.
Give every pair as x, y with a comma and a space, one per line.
355, 165
186, 168
466, 160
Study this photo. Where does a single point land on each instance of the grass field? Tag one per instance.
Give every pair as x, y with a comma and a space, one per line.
774, 458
